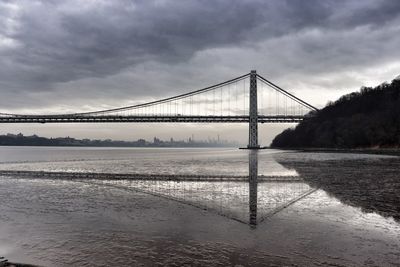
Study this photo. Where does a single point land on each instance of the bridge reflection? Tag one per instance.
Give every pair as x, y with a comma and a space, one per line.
248, 199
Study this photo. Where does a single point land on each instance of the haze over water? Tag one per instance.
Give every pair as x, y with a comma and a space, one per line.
54, 221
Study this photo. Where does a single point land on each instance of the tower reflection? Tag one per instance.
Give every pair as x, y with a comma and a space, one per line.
253, 181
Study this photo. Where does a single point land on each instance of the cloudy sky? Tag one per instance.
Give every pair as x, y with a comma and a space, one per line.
74, 55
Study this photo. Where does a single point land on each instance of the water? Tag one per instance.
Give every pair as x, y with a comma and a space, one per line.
305, 208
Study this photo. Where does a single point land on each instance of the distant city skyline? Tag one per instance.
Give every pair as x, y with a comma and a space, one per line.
19, 139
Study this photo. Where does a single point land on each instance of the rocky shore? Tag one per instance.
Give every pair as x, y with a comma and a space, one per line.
5, 263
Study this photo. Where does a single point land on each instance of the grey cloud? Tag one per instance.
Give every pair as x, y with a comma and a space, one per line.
375, 13
65, 45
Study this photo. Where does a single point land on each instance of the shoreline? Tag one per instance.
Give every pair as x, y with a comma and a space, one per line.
12, 264
377, 151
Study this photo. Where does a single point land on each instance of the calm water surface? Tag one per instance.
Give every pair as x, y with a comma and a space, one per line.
307, 209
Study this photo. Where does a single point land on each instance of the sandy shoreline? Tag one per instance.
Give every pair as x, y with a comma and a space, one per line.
376, 151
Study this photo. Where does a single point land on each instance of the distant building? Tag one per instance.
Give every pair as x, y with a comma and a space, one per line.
141, 142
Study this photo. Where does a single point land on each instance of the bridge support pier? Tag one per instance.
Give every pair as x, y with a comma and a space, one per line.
253, 112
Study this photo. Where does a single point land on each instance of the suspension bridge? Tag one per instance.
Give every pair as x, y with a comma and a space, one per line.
249, 98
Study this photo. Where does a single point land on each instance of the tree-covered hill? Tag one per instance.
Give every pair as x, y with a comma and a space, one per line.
365, 119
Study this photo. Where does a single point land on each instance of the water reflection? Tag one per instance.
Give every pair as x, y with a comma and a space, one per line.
246, 186
85, 221
249, 199
271, 194
253, 182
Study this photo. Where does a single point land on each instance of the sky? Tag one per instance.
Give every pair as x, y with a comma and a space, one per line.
72, 56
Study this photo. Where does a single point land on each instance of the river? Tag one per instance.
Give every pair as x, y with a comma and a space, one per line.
197, 207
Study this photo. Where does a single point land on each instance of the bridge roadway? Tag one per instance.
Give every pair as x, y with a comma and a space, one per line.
144, 119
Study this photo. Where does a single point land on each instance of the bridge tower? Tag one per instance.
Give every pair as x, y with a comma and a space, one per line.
253, 112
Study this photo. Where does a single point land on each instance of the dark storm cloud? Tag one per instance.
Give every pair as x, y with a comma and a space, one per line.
101, 39
47, 44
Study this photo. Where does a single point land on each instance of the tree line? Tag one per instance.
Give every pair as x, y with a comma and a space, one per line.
365, 119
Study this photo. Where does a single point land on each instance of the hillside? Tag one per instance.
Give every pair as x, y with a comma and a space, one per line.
365, 119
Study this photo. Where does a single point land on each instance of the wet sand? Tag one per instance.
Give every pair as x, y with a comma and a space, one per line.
372, 185
98, 226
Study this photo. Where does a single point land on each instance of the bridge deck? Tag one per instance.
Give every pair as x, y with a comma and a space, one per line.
145, 119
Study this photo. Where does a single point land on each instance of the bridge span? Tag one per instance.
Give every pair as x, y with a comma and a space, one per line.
249, 98
147, 119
